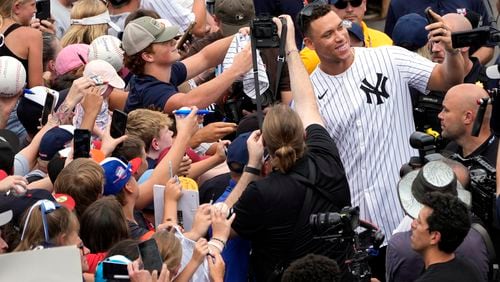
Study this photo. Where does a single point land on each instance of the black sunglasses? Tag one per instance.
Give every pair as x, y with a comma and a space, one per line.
306, 12
342, 4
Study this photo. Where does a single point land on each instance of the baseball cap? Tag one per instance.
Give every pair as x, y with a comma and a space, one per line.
105, 71
237, 153
234, 14
117, 259
357, 31
409, 32
53, 141
107, 48
66, 201
433, 176
71, 57
5, 217
141, 32
9, 146
39, 94
12, 77
117, 174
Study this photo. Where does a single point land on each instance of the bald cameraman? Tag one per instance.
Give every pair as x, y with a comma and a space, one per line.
457, 119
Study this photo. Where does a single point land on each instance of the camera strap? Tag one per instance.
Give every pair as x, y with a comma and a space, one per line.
281, 58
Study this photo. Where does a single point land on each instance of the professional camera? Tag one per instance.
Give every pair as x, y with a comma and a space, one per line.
483, 187
265, 32
342, 227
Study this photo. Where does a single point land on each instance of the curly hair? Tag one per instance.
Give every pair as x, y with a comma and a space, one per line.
312, 268
450, 217
135, 63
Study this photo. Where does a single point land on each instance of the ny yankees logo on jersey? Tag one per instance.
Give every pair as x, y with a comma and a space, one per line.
378, 90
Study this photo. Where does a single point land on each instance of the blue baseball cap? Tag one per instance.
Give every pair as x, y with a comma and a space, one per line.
237, 153
117, 174
409, 32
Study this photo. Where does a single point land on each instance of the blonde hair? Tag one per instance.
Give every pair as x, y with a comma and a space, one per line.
170, 248
146, 124
60, 221
283, 134
85, 33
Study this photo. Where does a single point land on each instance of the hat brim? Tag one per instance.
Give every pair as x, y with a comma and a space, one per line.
169, 33
5, 217
117, 82
230, 29
408, 202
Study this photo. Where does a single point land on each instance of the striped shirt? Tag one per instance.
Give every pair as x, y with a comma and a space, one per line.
367, 111
172, 11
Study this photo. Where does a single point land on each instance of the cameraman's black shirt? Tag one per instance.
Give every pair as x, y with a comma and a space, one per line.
268, 209
455, 270
488, 150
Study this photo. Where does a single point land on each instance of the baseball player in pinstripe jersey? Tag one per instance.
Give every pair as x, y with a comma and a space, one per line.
364, 99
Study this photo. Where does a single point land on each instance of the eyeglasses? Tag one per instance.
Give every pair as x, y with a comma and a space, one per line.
342, 4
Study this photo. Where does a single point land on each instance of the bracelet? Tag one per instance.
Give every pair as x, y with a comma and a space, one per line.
290, 51
220, 240
252, 170
213, 244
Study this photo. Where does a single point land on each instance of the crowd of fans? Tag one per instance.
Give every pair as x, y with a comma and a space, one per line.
339, 102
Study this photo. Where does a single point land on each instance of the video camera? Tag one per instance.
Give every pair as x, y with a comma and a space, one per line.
342, 227
483, 187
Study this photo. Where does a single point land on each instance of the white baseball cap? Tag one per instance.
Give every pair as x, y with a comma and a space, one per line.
40, 93
105, 71
12, 77
107, 48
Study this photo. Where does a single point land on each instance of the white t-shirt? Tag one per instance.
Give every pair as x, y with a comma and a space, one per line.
367, 111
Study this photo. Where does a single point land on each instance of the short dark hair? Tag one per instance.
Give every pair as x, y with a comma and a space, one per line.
310, 13
129, 149
312, 268
450, 217
135, 63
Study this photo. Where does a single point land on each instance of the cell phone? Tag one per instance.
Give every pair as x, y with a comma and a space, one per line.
118, 124
150, 255
430, 18
81, 143
114, 271
47, 107
185, 36
43, 9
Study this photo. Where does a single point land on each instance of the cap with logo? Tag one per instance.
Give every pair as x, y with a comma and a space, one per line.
234, 14
141, 32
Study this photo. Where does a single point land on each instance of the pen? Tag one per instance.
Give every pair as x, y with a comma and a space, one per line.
187, 112
27, 91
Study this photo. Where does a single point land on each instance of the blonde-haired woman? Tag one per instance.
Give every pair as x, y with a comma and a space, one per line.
20, 41
89, 20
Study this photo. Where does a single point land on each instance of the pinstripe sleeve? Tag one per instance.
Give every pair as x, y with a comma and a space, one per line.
417, 73
170, 10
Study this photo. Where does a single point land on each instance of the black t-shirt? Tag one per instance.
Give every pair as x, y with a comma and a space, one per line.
455, 270
488, 150
267, 211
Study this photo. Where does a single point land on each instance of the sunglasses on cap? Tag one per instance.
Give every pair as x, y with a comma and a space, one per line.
342, 4
307, 11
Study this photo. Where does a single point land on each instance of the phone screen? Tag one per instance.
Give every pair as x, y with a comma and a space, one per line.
47, 108
81, 144
43, 9
118, 124
116, 271
150, 255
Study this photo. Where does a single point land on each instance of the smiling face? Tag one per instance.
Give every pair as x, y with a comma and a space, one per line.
329, 38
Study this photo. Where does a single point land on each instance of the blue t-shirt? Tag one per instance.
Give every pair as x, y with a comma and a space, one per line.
148, 92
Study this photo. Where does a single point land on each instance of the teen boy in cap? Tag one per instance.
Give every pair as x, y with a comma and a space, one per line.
151, 54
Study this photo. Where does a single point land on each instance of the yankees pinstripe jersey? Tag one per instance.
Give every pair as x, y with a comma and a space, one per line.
174, 12
367, 111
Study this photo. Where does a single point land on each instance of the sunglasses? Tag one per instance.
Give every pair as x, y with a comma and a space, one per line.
307, 11
342, 4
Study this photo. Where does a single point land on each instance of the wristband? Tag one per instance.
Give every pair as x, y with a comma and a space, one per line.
252, 170
217, 246
219, 240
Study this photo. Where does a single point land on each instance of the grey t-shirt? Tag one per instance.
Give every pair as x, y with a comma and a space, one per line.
61, 15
